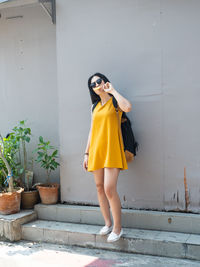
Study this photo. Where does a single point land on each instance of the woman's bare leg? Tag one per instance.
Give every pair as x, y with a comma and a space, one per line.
103, 201
110, 186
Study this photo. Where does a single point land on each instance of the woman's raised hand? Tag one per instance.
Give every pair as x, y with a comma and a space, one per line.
108, 88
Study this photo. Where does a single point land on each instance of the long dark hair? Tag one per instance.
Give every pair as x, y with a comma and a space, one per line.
94, 96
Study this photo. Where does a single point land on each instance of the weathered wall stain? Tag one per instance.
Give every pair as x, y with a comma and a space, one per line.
177, 198
186, 196
186, 191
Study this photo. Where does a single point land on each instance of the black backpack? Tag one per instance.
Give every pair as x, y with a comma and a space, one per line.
130, 143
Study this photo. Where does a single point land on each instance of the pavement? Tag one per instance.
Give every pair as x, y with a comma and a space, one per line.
24, 253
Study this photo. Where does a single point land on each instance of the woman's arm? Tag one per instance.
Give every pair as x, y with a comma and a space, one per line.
89, 136
85, 161
123, 103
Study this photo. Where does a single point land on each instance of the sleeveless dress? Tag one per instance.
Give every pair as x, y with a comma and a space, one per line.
106, 143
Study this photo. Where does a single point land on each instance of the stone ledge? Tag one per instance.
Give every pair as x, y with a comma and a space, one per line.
149, 242
10, 225
131, 218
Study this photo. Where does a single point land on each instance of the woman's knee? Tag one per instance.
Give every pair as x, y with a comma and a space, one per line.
100, 188
110, 190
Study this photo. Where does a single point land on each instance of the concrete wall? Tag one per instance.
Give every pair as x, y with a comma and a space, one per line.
28, 83
150, 51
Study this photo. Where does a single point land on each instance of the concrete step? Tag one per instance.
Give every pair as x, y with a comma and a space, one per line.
149, 242
10, 225
140, 219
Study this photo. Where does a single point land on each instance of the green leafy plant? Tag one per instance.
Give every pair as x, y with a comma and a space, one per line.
13, 149
22, 135
46, 157
7, 153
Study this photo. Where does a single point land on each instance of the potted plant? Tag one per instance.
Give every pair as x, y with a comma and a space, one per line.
46, 156
30, 195
10, 194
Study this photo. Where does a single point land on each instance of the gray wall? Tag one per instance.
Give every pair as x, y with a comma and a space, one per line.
28, 83
150, 51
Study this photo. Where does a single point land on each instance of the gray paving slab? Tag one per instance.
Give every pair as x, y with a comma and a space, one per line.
16, 216
23, 254
193, 247
193, 239
131, 218
72, 214
172, 237
171, 244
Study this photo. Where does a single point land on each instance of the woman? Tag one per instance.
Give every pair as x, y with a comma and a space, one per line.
104, 154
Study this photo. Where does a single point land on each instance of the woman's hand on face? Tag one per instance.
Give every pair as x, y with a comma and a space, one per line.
85, 162
108, 88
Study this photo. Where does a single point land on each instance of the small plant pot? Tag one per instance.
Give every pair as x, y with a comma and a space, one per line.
29, 199
10, 201
48, 193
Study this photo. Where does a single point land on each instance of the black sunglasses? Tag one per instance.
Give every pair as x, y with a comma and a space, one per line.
98, 82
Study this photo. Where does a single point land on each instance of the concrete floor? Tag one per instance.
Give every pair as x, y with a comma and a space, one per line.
23, 254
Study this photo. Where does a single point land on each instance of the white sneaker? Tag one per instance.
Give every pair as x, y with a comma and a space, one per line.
114, 237
105, 230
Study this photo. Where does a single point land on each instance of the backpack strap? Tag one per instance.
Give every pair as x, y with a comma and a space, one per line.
94, 105
115, 104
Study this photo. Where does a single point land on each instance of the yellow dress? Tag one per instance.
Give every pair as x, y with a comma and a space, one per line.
106, 144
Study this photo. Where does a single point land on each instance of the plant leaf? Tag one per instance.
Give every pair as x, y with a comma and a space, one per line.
41, 139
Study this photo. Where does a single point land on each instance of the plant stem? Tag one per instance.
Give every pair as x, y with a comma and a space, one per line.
48, 180
27, 178
4, 173
20, 162
2, 142
25, 154
11, 187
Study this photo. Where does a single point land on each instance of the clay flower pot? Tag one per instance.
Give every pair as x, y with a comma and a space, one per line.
48, 193
29, 199
10, 201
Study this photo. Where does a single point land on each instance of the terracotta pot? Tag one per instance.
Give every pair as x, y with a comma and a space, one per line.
29, 199
48, 193
10, 202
